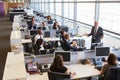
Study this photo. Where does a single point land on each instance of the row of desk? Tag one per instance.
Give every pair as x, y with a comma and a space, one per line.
15, 69
15, 63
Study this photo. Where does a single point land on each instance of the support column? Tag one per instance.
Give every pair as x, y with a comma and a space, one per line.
62, 13
97, 9
54, 9
75, 15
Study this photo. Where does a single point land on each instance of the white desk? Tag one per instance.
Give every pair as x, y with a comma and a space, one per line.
14, 67
26, 41
82, 71
48, 39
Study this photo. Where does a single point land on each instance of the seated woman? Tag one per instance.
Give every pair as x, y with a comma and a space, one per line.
62, 35
34, 25
70, 45
111, 62
49, 18
56, 26
43, 26
39, 35
58, 66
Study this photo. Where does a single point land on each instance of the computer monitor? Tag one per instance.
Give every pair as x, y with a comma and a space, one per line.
65, 54
33, 32
46, 33
51, 51
102, 51
43, 52
50, 22
64, 28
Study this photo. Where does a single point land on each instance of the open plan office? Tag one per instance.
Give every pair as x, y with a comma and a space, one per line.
87, 39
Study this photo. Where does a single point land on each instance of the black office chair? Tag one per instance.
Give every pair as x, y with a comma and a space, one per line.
58, 76
63, 45
112, 73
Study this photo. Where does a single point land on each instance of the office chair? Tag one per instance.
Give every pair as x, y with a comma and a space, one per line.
63, 45
111, 74
58, 76
114, 73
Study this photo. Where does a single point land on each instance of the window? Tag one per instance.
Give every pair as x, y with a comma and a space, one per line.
110, 16
58, 8
66, 11
85, 12
71, 12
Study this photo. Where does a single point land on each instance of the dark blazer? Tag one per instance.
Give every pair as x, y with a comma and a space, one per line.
68, 46
96, 37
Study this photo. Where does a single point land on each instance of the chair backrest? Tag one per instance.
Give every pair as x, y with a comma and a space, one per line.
64, 45
114, 73
58, 76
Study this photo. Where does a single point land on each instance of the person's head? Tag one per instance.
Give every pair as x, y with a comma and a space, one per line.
62, 32
96, 24
39, 42
43, 24
49, 17
112, 59
56, 25
40, 32
67, 36
58, 61
33, 20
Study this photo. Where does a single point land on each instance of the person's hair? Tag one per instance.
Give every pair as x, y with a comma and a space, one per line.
55, 25
39, 42
40, 32
49, 17
33, 19
112, 59
62, 32
57, 62
43, 24
66, 36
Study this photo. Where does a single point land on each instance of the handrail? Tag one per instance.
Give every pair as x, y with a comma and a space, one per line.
89, 25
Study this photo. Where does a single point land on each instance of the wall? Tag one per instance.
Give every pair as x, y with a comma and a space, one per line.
2, 12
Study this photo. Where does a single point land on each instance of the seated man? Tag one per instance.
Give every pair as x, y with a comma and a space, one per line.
70, 45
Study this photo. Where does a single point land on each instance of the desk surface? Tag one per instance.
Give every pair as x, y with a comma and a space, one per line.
81, 71
14, 67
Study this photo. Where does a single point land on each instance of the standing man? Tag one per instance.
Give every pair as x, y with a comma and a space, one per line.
97, 34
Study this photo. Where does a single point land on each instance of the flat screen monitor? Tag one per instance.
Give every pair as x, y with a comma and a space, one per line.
102, 51
43, 52
33, 32
51, 51
46, 33
65, 54
64, 29
50, 22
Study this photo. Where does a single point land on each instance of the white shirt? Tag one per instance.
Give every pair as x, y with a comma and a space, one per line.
38, 36
41, 47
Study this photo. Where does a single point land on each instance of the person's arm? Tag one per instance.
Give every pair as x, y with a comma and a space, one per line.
104, 68
102, 34
72, 74
67, 72
86, 34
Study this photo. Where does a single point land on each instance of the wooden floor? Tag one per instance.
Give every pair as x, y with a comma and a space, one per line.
5, 30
